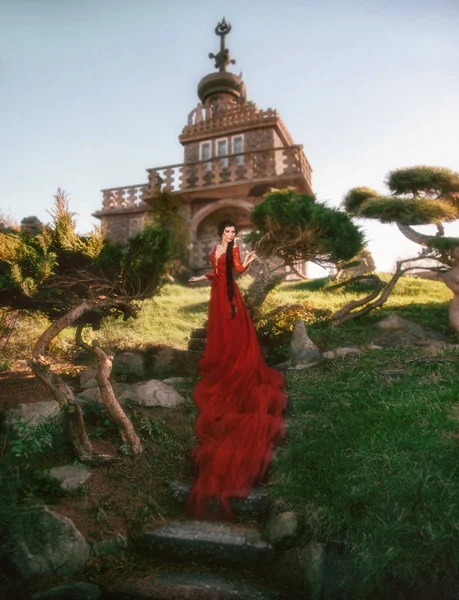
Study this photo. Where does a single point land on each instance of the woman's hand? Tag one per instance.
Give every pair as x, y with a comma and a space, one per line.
250, 257
193, 280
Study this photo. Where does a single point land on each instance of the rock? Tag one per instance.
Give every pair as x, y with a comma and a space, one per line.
187, 585
116, 546
71, 477
345, 351
396, 322
404, 338
375, 347
87, 375
301, 339
197, 345
173, 380
91, 383
303, 351
204, 541
47, 543
37, 413
92, 395
199, 332
303, 568
77, 590
329, 354
151, 393
128, 364
257, 502
282, 528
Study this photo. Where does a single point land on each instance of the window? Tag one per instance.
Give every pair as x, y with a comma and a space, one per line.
205, 152
222, 150
238, 148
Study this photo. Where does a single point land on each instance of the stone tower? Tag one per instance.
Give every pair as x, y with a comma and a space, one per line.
234, 153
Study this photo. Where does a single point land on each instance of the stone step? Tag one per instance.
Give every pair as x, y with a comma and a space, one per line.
202, 541
199, 332
257, 503
186, 586
197, 344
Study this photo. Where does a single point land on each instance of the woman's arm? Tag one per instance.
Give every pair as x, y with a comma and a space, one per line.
200, 278
241, 267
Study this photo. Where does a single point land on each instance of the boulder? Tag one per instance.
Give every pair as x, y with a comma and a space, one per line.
90, 383
303, 351
151, 393
86, 376
37, 413
128, 364
92, 395
303, 568
283, 528
396, 322
71, 477
47, 543
76, 590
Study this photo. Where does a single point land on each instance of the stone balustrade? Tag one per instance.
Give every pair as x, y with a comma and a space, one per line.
232, 169
125, 197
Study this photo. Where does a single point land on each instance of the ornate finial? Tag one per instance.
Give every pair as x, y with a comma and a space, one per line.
223, 58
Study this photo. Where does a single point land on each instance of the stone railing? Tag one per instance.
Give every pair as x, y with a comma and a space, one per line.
232, 119
287, 162
126, 197
258, 165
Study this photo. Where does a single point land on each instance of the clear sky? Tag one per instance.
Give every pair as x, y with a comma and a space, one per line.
93, 92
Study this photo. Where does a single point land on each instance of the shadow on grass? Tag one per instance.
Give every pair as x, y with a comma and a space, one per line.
312, 285
198, 307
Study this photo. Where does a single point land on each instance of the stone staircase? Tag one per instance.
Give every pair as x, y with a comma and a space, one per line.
218, 561
197, 342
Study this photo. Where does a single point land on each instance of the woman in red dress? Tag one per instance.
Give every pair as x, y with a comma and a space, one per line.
240, 399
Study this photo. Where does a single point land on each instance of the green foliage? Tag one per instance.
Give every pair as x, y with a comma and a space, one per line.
274, 329
294, 228
407, 211
143, 263
57, 268
356, 197
427, 181
166, 212
421, 195
28, 441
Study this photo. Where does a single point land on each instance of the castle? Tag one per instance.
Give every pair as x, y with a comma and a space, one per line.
234, 153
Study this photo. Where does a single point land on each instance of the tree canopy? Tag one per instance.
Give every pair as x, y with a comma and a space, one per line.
420, 195
55, 269
295, 228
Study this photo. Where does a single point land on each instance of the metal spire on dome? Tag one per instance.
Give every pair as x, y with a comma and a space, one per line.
222, 58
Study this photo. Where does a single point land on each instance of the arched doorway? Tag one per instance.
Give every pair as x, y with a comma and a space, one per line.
203, 234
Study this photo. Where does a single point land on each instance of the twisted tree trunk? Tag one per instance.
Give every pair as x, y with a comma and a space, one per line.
107, 394
371, 301
71, 410
124, 424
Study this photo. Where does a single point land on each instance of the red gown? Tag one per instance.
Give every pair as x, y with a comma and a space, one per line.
240, 401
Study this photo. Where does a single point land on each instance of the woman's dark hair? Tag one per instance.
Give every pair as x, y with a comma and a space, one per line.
229, 262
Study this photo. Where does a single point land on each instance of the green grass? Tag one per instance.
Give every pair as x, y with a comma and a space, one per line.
371, 465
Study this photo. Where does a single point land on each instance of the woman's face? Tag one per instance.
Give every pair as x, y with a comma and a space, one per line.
228, 234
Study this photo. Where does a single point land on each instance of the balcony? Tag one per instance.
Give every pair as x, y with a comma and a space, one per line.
281, 167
